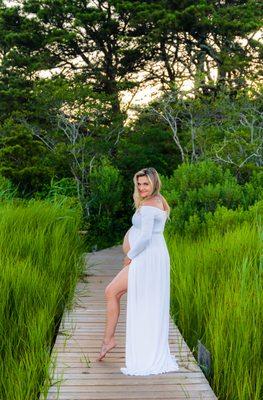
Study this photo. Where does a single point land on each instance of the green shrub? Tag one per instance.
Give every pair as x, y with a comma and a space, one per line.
104, 205
63, 187
23, 158
7, 189
253, 190
196, 191
224, 219
63, 192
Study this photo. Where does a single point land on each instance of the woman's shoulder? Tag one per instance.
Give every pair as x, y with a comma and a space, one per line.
154, 202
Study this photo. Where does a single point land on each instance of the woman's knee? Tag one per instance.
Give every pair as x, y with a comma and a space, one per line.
118, 284
111, 292
120, 294
108, 292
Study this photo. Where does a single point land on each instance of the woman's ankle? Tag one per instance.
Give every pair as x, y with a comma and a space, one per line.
107, 340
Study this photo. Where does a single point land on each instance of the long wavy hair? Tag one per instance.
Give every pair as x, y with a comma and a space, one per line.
155, 182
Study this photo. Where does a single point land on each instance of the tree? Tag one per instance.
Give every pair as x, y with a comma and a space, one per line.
225, 129
23, 53
194, 40
23, 159
94, 40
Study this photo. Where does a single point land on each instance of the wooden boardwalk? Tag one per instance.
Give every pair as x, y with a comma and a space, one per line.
78, 376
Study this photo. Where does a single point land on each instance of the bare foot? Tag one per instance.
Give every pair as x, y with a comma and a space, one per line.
105, 348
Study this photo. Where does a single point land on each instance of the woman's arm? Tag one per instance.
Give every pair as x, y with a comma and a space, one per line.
147, 221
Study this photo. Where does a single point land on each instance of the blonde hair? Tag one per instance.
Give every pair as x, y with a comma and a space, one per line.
155, 182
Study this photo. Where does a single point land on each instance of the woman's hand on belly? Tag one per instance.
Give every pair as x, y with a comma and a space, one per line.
126, 261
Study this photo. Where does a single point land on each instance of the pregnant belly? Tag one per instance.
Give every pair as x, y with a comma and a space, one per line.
126, 244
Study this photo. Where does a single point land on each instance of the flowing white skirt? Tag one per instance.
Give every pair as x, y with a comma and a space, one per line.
148, 304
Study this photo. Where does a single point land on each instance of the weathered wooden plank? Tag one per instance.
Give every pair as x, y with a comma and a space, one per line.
114, 379
183, 394
103, 389
93, 347
81, 380
77, 373
114, 369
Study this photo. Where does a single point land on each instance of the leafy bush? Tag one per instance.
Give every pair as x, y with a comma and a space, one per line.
225, 219
7, 189
253, 189
63, 187
104, 205
63, 192
23, 158
196, 191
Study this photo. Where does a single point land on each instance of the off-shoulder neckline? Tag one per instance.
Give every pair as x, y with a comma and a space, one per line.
165, 211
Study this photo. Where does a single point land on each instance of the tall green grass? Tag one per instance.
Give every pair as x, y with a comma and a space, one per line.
39, 266
217, 297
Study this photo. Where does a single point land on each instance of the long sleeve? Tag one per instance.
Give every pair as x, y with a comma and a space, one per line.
147, 222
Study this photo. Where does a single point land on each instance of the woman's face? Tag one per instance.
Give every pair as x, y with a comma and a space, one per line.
144, 186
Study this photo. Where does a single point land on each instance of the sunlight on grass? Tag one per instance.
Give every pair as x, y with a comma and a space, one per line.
39, 266
216, 296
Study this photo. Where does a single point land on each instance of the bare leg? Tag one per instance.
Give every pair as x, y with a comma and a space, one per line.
113, 292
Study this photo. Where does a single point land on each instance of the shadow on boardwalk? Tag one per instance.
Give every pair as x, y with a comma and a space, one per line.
78, 376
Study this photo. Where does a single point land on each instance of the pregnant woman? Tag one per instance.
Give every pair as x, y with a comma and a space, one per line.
146, 278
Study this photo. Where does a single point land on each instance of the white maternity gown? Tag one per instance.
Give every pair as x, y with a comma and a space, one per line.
148, 296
